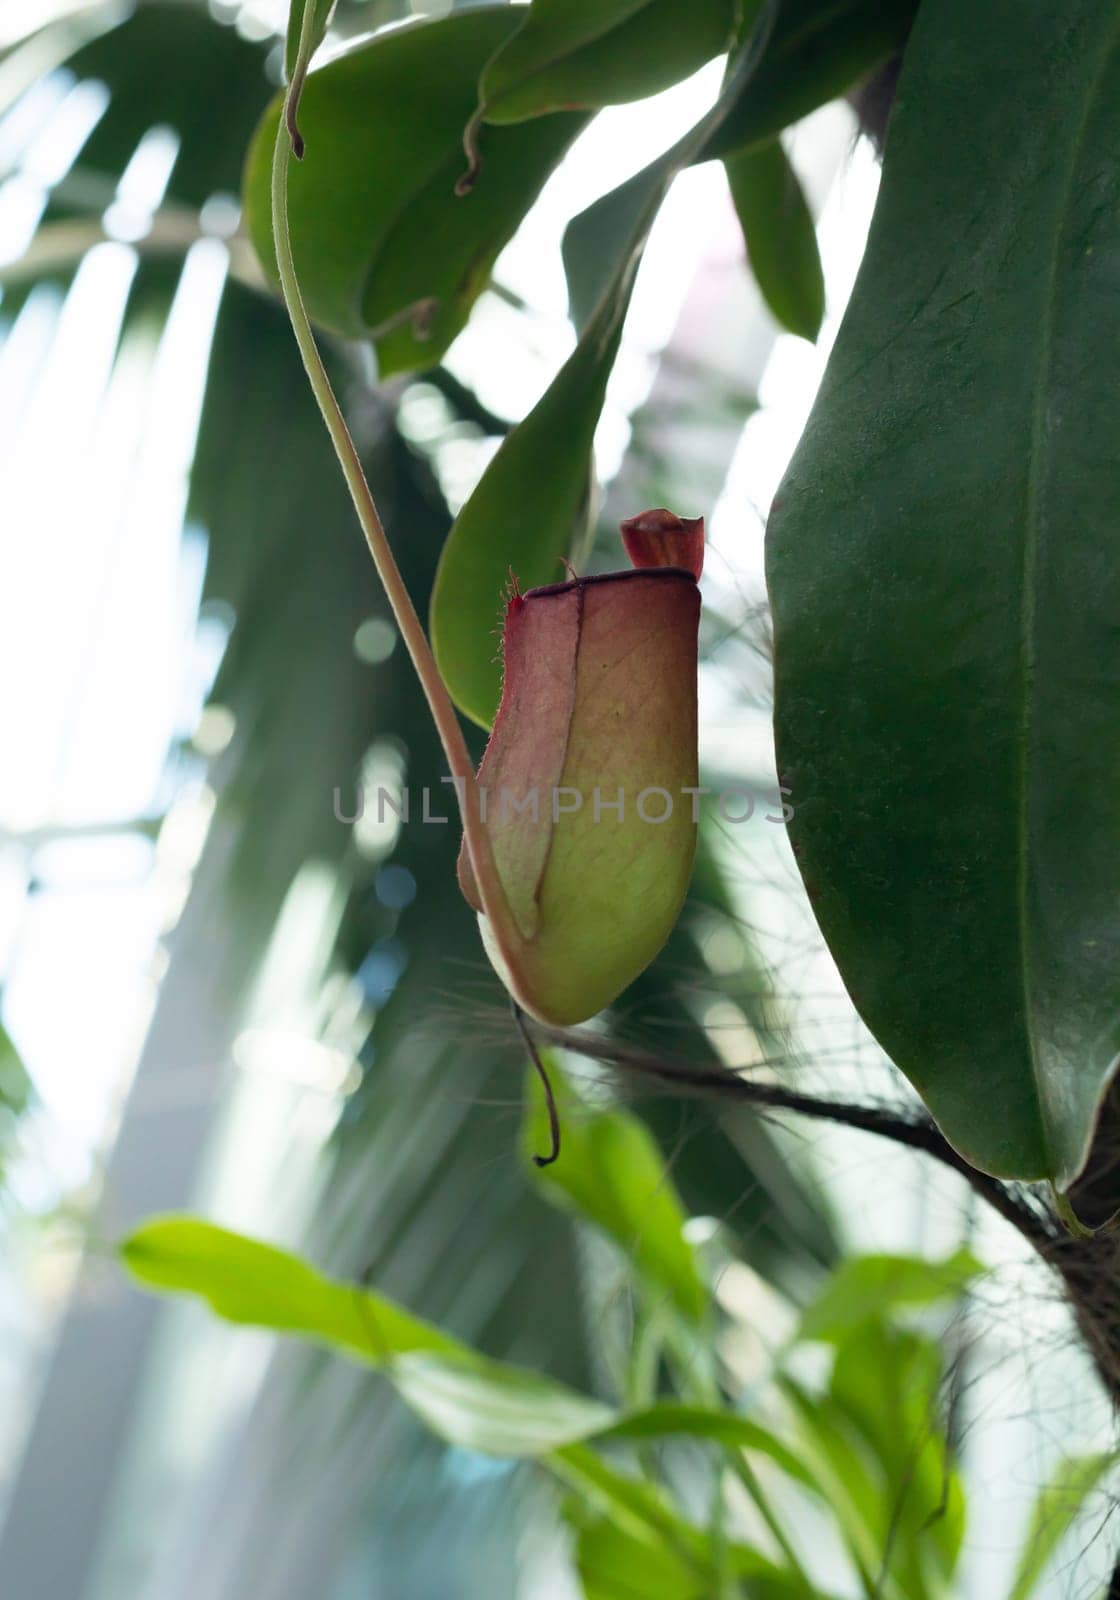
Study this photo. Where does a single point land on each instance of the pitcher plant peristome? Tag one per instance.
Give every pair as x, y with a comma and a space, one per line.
599, 696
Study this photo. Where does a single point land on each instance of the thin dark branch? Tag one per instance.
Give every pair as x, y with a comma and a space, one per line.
916, 1131
1088, 1267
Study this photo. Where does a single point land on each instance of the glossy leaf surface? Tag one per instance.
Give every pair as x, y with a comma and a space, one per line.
946, 592
383, 127
600, 52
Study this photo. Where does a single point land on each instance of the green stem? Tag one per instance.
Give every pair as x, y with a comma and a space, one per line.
411, 629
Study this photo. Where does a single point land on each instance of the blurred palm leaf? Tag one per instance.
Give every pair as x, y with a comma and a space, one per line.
421, 1183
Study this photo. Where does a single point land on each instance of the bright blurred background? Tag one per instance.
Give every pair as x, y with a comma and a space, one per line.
217, 996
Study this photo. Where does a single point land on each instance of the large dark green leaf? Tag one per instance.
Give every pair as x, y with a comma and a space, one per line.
780, 236
946, 590
600, 52
383, 246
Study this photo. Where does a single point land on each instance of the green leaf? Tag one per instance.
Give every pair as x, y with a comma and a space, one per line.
817, 53
496, 1408
526, 512
631, 1502
867, 1288
599, 52
524, 516
841, 1469
596, 239
15, 1085
885, 1394
614, 1563
668, 1418
945, 591
645, 1521
464, 1397
780, 236
612, 1174
1055, 1512
383, 246
248, 1282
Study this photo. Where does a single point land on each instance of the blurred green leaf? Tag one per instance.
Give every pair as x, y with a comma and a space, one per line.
614, 1563
644, 1520
599, 52
866, 1288
496, 1408
15, 1085
383, 246
780, 236
632, 1502
841, 1470
1055, 1511
174, 65
249, 1282
463, 1396
874, 1441
612, 1174
886, 1394
34, 48
668, 1418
